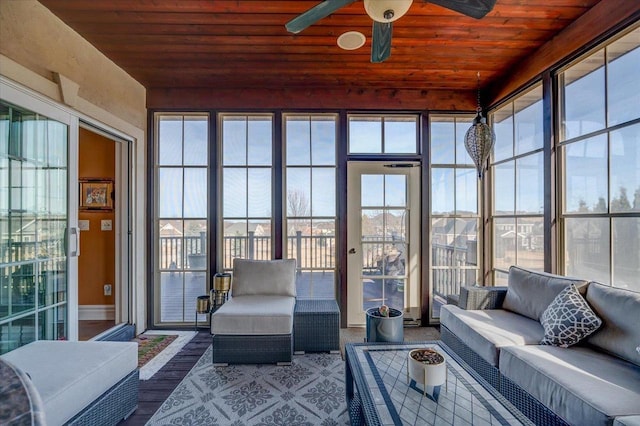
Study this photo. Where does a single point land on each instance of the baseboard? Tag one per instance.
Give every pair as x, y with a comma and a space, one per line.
96, 312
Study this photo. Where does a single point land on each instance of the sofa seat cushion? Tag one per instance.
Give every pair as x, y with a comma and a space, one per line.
487, 331
254, 315
581, 385
71, 375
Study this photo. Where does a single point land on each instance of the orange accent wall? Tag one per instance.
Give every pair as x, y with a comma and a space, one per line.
96, 264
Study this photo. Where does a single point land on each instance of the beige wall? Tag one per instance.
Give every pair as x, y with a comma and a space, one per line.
33, 37
43, 55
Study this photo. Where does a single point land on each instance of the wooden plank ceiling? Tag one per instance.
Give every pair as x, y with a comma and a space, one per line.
243, 44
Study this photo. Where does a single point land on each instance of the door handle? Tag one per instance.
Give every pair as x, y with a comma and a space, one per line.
76, 233
352, 251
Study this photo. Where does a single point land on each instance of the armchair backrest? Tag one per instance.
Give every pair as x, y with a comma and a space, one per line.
264, 277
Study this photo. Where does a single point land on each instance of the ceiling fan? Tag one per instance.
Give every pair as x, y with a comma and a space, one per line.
383, 13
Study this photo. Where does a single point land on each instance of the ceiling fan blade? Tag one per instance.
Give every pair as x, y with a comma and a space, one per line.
315, 14
381, 41
474, 8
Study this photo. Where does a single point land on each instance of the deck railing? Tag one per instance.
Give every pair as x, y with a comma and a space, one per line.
451, 266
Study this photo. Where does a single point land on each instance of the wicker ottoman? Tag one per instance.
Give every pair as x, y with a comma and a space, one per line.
316, 326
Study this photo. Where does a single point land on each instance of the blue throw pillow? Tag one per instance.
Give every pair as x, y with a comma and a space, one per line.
568, 319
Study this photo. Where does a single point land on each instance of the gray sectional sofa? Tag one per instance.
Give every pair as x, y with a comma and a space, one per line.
498, 331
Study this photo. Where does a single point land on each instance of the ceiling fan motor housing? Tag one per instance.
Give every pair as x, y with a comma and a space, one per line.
386, 10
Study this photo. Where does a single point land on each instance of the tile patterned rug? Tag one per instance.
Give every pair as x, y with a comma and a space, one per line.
308, 392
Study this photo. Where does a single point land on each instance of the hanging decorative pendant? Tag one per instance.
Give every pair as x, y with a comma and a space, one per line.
480, 138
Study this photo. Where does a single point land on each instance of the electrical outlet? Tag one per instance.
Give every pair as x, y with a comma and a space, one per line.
105, 225
107, 289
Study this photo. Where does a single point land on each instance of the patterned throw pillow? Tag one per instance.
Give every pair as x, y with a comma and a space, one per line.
568, 319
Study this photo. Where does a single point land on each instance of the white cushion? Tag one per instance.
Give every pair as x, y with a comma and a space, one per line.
254, 315
273, 277
71, 375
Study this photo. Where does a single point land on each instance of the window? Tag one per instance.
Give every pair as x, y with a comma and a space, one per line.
517, 172
455, 216
182, 199
383, 134
33, 224
311, 202
599, 114
247, 168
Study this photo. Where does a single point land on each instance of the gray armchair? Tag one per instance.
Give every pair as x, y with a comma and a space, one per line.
256, 325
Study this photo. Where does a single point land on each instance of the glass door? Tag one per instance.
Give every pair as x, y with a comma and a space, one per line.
383, 239
34, 217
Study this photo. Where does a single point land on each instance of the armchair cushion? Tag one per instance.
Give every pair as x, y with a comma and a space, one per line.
254, 315
264, 277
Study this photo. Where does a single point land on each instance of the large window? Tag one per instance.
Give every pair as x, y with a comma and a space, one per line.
33, 224
455, 215
517, 176
247, 169
599, 115
310, 202
181, 205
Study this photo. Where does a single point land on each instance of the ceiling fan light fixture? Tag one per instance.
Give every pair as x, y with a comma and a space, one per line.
351, 40
386, 10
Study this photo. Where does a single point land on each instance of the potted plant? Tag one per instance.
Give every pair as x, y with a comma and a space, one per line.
427, 367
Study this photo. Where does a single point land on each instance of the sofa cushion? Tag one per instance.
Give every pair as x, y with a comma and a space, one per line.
627, 421
254, 315
70, 375
255, 277
487, 331
576, 383
530, 292
568, 319
620, 313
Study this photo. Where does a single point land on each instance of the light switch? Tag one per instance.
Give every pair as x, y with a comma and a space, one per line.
105, 225
83, 225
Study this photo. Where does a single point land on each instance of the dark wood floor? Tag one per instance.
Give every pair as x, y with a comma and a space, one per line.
153, 392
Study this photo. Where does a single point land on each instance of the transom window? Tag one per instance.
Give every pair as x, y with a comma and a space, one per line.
386, 134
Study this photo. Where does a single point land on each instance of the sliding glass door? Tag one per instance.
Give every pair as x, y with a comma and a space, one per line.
34, 217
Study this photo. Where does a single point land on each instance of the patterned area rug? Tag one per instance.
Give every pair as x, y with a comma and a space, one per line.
308, 392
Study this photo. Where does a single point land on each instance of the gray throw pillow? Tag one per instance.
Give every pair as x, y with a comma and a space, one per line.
568, 319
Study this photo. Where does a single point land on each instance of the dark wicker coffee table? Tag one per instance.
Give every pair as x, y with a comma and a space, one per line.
378, 393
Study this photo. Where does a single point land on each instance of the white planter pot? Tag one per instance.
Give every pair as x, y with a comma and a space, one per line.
426, 374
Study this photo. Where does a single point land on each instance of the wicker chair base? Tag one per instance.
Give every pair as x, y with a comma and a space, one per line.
266, 349
528, 405
111, 407
488, 372
316, 326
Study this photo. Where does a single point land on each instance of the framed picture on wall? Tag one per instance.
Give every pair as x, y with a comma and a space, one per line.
96, 194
